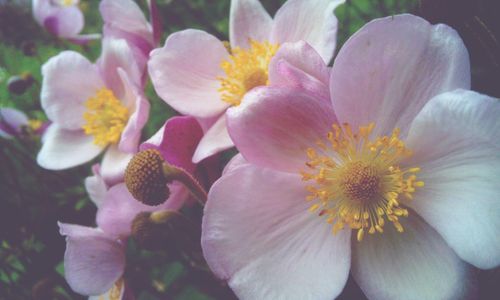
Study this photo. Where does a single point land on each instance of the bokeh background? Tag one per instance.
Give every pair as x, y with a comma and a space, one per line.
32, 200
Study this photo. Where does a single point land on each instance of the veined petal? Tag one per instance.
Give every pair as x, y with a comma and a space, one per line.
274, 127
312, 21
456, 143
69, 79
258, 234
93, 261
415, 264
389, 69
64, 149
248, 19
184, 73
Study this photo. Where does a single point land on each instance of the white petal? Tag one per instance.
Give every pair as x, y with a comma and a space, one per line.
248, 19
215, 140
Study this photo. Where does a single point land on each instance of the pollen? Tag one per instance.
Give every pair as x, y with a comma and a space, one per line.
245, 69
358, 182
105, 117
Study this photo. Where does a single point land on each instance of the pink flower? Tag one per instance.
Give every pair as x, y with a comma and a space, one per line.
123, 19
95, 257
399, 88
13, 122
200, 76
62, 18
94, 108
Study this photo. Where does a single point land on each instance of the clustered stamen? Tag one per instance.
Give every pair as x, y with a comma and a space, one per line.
245, 69
105, 118
358, 182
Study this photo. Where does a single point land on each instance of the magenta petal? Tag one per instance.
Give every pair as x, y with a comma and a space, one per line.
312, 21
389, 69
92, 261
184, 73
258, 234
248, 19
177, 141
155, 20
298, 65
273, 127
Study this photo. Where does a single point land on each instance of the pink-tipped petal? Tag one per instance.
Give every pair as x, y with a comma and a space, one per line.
274, 127
299, 66
126, 16
456, 143
184, 73
138, 106
414, 264
92, 261
63, 149
389, 69
177, 141
116, 54
258, 234
312, 21
248, 19
215, 140
69, 79
114, 164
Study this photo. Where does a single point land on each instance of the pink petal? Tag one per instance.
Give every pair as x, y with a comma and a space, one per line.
184, 72
96, 187
310, 20
177, 141
126, 16
274, 127
63, 149
69, 79
389, 69
120, 289
139, 107
83, 39
215, 140
415, 264
11, 121
119, 209
64, 22
235, 162
456, 143
299, 66
156, 23
92, 261
248, 19
116, 54
258, 234
114, 164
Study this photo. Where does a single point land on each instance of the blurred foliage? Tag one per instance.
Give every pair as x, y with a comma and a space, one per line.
33, 199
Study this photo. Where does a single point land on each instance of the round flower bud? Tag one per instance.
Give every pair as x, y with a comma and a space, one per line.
144, 177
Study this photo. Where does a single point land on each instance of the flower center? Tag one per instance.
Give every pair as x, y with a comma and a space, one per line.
358, 181
245, 69
105, 117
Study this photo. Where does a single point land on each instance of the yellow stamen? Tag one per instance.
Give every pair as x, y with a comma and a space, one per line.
105, 117
34, 124
245, 69
358, 181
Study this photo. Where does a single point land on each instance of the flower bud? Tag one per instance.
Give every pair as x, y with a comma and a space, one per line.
151, 230
145, 179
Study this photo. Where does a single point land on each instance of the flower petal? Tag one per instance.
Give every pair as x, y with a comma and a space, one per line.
139, 107
64, 22
456, 143
92, 261
215, 140
184, 72
116, 54
389, 69
248, 19
96, 186
69, 79
11, 121
64, 149
114, 164
273, 127
299, 66
312, 21
258, 234
177, 141
415, 264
